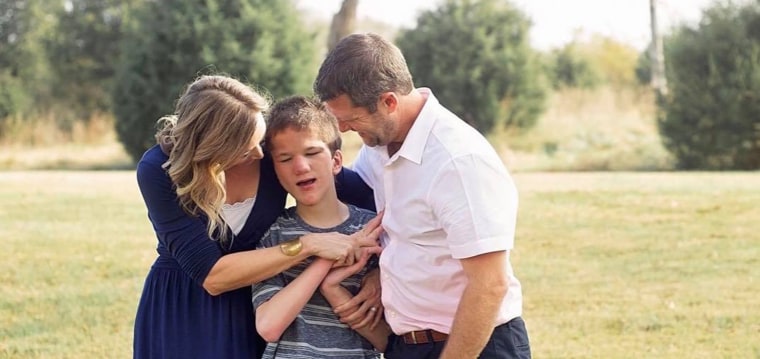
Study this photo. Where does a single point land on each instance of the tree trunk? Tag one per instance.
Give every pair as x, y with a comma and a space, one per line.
343, 23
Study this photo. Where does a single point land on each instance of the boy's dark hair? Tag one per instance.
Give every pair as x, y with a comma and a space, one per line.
303, 113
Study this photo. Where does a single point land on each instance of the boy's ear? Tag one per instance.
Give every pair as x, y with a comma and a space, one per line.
337, 162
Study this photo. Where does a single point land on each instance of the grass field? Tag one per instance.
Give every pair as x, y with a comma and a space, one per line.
613, 265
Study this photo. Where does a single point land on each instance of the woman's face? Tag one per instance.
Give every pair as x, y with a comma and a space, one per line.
254, 151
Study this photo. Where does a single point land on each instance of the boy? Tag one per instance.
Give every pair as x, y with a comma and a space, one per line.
291, 315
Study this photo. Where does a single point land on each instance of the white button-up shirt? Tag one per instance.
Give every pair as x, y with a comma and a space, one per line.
447, 195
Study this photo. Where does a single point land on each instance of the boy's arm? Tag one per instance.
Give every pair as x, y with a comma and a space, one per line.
276, 314
336, 294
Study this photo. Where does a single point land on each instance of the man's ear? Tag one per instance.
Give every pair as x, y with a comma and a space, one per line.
337, 162
389, 100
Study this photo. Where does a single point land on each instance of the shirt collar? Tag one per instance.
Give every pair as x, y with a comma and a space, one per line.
416, 139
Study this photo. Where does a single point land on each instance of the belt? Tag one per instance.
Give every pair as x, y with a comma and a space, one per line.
424, 336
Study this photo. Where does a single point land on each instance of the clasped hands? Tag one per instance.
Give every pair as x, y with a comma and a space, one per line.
349, 255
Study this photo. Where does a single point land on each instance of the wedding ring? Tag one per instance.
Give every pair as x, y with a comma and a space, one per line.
372, 309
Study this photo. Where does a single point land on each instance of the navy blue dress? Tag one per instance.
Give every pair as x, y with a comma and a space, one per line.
176, 317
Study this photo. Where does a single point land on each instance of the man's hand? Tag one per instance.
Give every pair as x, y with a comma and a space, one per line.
357, 312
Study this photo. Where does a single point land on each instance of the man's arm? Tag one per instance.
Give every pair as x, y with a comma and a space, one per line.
474, 320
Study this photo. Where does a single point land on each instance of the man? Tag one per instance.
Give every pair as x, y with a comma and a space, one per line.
450, 209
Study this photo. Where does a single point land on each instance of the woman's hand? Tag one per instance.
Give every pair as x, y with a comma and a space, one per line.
339, 274
345, 250
369, 236
332, 246
358, 312
370, 233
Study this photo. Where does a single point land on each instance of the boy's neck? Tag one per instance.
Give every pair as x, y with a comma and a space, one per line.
327, 214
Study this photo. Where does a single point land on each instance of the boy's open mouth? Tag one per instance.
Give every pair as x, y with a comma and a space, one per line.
306, 182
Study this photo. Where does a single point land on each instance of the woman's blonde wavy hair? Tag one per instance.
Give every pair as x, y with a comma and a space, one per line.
210, 130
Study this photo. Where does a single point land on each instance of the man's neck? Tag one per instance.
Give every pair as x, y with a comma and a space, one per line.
393, 147
327, 214
410, 107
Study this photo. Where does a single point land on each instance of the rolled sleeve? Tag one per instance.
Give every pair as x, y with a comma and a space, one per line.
475, 201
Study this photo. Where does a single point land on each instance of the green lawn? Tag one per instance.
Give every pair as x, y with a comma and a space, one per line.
613, 265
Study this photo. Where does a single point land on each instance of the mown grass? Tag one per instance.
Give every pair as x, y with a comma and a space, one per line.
613, 265
633, 265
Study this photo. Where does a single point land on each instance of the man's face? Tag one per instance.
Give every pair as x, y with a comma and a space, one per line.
375, 129
304, 166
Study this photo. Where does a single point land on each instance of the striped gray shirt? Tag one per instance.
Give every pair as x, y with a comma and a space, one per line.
316, 332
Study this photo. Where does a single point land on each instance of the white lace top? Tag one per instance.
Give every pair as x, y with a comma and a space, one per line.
236, 214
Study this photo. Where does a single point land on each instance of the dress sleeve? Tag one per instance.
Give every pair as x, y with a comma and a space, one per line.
184, 236
353, 190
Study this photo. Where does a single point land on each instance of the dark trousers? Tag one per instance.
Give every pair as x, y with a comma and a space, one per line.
508, 341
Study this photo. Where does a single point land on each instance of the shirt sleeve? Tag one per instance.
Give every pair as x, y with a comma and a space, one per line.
475, 200
184, 236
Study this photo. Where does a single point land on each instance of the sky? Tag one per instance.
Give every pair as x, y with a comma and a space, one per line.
555, 22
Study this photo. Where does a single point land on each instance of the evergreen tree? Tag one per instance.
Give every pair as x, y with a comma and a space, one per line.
24, 68
85, 47
710, 117
171, 42
477, 58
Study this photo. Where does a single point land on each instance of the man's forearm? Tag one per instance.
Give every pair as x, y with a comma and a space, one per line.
479, 306
474, 322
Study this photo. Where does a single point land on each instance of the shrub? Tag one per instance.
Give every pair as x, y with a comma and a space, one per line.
476, 56
171, 42
710, 116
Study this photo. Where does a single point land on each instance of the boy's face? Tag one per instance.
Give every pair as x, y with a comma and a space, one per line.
305, 167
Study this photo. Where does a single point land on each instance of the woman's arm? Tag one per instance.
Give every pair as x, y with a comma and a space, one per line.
353, 190
186, 239
276, 314
241, 269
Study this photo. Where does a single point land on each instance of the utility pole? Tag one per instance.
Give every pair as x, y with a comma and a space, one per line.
659, 83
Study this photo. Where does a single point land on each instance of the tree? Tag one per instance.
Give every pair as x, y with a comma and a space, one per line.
570, 68
85, 46
343, 23
710, 115
171, 42
24, 70
477, 57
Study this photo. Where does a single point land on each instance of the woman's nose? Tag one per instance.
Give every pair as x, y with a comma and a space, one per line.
257, 153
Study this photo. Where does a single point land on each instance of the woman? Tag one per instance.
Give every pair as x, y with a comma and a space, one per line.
211, 193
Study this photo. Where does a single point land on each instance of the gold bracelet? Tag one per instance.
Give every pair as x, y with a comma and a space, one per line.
291, 247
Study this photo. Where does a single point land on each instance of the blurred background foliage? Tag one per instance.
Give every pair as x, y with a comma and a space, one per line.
101, 72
